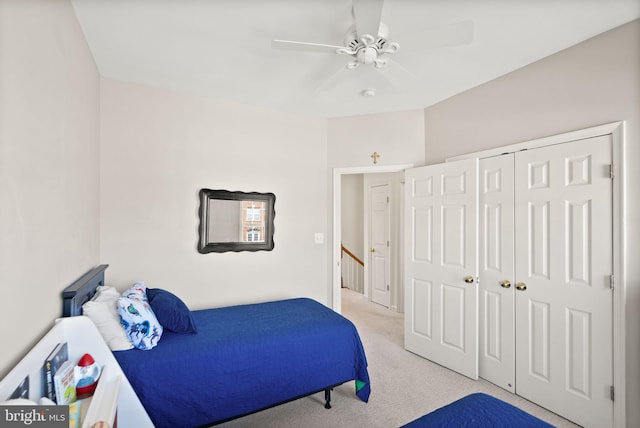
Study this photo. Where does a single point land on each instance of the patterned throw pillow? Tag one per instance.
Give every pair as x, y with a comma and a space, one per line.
137, 317
137, 291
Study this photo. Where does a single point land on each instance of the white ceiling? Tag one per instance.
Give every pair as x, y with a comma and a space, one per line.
222, 48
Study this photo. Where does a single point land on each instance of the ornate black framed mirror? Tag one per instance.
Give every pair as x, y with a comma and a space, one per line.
236, 221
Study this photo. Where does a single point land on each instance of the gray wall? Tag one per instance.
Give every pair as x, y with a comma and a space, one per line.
595, 82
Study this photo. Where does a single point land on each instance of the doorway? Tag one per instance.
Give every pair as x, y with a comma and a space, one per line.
338, 174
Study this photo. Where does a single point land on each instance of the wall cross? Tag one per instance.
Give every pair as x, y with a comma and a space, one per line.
375, 157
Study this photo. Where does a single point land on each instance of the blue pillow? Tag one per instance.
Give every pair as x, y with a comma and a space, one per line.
171, 312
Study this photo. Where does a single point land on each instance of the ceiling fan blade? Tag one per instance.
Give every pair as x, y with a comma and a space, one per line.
334, 79
460, 33
367, 14
303, 46
398, 76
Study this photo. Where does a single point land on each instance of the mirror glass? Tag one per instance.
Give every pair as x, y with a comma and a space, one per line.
236, 221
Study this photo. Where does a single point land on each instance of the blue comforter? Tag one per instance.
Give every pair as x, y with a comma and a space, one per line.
478, 411
245, 358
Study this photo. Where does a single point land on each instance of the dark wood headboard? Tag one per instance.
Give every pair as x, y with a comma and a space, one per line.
83, 289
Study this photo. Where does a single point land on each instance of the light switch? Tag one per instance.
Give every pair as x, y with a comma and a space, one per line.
319, 238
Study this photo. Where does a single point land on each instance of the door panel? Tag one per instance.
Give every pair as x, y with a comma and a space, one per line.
563, 203
421, 316
453, 233
423, 227
497, 306
440, 249
539, 339
539, 251
453, 316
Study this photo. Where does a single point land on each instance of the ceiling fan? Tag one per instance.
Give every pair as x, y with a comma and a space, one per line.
367, 43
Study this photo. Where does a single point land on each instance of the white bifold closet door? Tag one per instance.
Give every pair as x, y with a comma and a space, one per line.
441, 266
544, 321
497, 272
564, 263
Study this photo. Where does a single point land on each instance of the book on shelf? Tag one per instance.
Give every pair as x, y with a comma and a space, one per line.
56, 358
65, 384
22, 391
104, 405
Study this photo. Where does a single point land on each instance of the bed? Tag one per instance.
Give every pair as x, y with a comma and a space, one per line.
242, 359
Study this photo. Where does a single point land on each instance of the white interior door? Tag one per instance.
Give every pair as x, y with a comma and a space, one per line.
380, 266
441, 294
496, 302
563, 203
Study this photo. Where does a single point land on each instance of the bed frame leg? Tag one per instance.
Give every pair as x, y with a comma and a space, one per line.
327, 398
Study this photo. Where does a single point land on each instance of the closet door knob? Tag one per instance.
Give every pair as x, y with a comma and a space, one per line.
505, 284
521, 286
468, 279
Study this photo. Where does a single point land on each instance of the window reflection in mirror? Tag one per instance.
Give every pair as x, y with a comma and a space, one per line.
235, 221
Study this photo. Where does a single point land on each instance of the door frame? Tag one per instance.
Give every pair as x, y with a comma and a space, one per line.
617, 132
336, 302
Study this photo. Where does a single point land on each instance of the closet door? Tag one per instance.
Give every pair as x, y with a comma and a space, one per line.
441, 295
563, 211
496, 305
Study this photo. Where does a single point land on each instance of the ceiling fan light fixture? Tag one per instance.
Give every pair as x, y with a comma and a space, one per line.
367, 39
379, 63
390, 48
368, 55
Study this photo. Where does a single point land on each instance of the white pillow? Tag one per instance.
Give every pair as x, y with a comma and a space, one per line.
109, 292
102, 310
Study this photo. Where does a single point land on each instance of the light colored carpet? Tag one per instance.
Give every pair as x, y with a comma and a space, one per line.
404, 386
